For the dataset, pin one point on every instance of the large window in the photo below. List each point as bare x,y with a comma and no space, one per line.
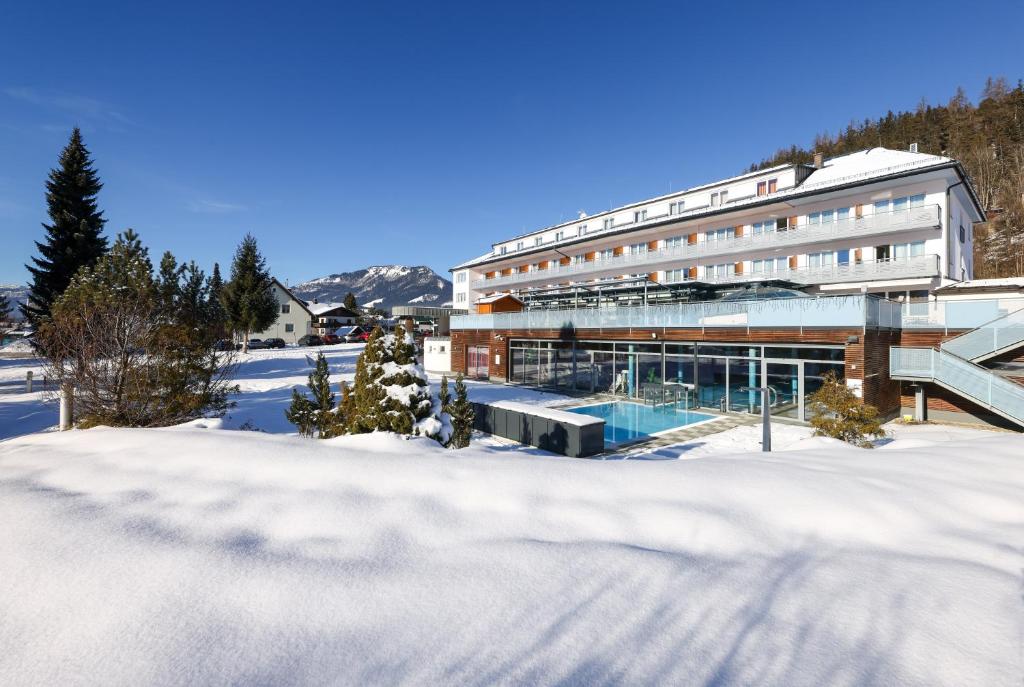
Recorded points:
609,223
676,208
640,216
720,234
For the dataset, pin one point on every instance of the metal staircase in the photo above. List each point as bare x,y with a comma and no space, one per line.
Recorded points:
991,339
973,382
954,365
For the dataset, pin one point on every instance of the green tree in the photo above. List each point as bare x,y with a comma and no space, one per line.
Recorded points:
168,286
5,313
248,299
462,415
444,395
391,393
350,302
216,317
838,413
74,233
108,339
316,415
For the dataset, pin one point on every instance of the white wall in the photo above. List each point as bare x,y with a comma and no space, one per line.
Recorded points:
297,319
437,354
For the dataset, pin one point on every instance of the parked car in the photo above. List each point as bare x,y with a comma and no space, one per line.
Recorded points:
274,343
357,337
254,345
311,340
330,339
224,345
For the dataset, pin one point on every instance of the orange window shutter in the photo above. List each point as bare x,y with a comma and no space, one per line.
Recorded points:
738,268
691,239
652,245
693,273
543,264
792,222
792,262
617,251
589,257
563,261
739,231
858,211
653,276
857,255
772,185
490,275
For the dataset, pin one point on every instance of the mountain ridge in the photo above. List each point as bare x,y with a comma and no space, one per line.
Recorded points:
383,286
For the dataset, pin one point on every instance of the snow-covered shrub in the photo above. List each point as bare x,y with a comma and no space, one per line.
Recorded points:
391,393
462,415
839,414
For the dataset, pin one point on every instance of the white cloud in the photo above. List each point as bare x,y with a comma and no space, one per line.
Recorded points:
83,106
214,207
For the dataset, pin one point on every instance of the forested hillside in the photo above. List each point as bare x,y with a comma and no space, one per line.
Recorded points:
987,137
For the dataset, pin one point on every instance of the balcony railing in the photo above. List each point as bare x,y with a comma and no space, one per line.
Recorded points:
924,217
825,311
919,266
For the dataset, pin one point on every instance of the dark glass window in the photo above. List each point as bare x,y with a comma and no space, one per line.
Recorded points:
738,351
795,353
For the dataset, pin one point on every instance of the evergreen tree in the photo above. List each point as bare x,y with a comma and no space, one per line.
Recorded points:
168,287
350,302
193,302
248,299
108,338
316,415
74,233
462,415
444,395
216,317
5,312
368,394
839,414
391,392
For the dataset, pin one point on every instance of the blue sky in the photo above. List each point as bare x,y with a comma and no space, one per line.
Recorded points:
348,136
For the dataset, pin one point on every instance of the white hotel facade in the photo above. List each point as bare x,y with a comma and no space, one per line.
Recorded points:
775,278
891,222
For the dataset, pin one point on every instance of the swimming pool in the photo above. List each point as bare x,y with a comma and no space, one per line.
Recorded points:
624,421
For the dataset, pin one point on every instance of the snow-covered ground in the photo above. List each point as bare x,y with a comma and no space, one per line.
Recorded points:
193,555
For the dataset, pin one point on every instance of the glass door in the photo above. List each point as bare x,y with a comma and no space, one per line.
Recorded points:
785,379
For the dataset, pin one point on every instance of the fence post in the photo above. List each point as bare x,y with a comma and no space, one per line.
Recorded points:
28,382
67,399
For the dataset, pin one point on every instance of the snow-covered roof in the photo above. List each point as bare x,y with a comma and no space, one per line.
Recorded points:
497,297
345,331
1001,284
321,308
851,168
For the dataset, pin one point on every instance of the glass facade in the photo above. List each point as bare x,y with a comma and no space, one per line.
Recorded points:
721,376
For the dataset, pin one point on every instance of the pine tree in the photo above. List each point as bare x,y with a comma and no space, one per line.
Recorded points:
444,395
5,312
73,235
839,414
350,302
216,317
168,287
391,393
462,415
316,415
248,299
129,365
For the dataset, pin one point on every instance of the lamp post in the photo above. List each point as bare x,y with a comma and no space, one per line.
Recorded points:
766,416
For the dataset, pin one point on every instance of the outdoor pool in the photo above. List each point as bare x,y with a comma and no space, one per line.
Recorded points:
625,421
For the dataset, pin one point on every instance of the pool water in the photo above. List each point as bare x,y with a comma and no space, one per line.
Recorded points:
624,421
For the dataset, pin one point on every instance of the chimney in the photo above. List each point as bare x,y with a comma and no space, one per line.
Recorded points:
819,161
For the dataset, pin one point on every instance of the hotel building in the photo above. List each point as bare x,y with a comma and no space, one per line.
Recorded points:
771,278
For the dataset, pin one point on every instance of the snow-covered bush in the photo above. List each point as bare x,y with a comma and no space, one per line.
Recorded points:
391,393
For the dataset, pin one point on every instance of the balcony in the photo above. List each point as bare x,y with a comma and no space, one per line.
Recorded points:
917,267
824,311
924,217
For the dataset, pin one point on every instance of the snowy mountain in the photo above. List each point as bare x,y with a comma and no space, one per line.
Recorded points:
16,295
383,286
